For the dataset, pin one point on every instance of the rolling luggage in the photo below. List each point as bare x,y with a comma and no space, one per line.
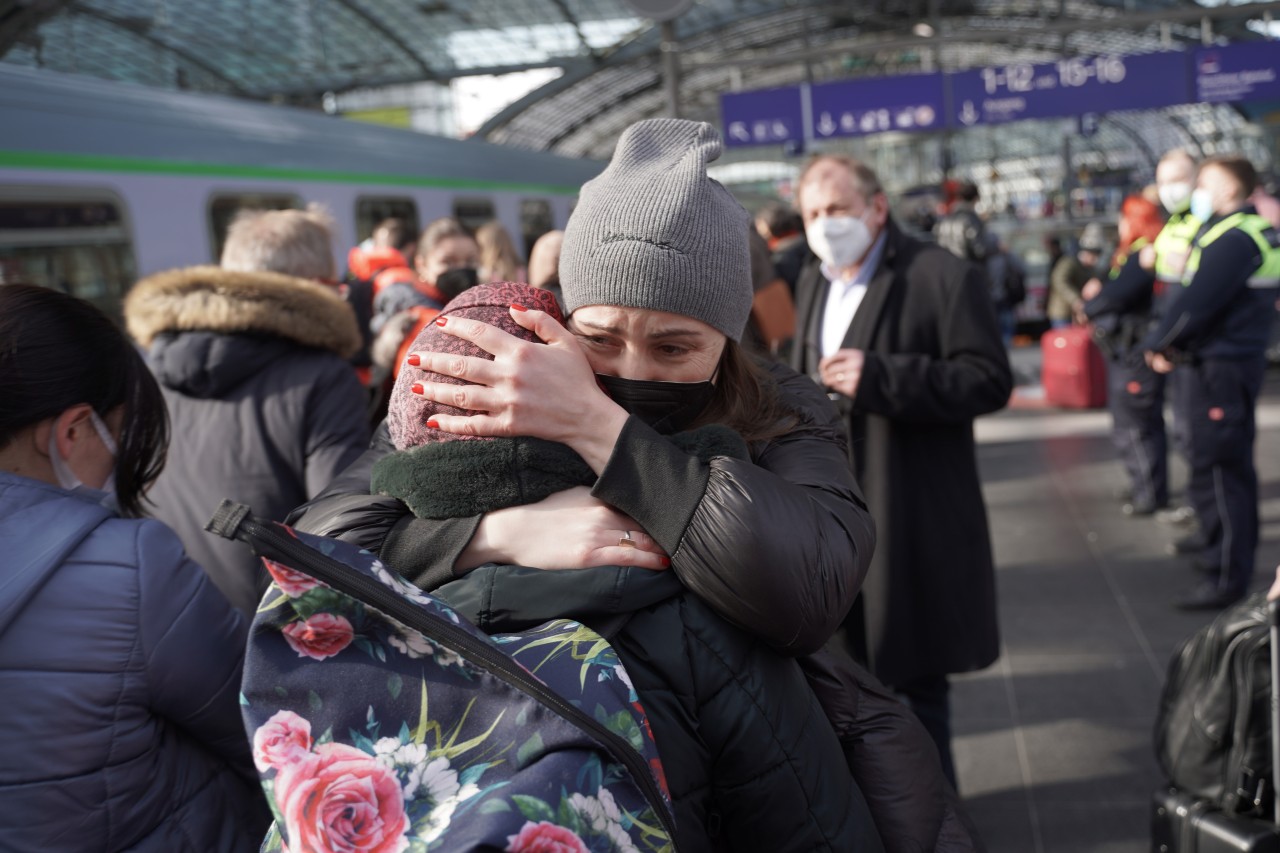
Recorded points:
1182,823
1072,370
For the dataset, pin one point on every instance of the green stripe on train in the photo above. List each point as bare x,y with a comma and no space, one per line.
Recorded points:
137,166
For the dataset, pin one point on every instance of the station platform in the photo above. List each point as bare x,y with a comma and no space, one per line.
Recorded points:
1053,743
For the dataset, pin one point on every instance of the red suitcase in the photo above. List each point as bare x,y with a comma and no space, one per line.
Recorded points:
1072,369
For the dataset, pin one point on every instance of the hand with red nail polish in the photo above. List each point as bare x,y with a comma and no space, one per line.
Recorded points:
524,389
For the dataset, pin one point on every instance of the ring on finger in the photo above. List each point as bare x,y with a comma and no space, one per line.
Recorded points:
626,541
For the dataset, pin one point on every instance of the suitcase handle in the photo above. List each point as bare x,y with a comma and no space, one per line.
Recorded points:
1273,612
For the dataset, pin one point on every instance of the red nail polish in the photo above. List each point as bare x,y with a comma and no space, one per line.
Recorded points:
666,564
518,307
414,360
440,321
433,424
416,388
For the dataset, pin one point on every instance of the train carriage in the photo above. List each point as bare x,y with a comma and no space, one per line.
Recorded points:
102,183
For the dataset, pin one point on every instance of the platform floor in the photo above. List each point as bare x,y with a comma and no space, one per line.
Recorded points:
1053,742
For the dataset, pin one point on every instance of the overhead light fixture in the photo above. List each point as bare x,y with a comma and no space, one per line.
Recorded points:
923,30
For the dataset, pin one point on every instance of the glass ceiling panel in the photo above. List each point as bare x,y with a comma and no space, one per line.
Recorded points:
295,50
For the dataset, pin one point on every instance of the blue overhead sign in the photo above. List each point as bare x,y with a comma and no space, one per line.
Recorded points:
1238,72
1071,86
911,102
765,117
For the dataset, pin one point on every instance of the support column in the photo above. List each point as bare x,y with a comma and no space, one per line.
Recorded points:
671,68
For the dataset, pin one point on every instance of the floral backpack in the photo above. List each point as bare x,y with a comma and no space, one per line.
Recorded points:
382,721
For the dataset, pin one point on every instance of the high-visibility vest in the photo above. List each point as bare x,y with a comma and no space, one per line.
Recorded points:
1267,275
1136,246
1173,246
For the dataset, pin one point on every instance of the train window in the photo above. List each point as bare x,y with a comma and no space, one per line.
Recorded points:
535,220
224,207
472,212
371,210
75,241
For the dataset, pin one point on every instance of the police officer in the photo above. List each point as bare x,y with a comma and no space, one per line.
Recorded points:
1218,326
1167,259
1120,311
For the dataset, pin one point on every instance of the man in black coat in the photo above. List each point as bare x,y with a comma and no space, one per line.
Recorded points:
903,336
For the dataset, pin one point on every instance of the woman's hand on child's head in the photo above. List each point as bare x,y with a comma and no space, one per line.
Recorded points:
568,530
543,390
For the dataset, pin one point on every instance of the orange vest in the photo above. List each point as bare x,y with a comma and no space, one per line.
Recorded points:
364,264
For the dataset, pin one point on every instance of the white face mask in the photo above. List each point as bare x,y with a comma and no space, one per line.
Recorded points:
1174,196
67,478
839,241
1202,205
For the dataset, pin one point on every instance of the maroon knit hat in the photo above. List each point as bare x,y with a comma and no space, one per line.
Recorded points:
407,413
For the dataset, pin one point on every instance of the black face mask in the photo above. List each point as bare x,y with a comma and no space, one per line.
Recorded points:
456,280
668,407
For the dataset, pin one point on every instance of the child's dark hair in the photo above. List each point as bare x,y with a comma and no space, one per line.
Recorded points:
56,352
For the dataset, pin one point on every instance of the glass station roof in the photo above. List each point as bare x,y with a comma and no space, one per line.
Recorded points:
611,61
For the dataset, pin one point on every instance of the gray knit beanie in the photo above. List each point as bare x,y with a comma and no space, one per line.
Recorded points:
653,231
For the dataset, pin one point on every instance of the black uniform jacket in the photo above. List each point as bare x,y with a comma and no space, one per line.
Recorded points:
1217,314
934,362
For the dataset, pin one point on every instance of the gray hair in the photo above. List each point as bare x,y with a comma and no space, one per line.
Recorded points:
292,242
1176,154
867,181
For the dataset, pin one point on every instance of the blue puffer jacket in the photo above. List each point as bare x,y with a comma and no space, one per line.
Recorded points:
120,671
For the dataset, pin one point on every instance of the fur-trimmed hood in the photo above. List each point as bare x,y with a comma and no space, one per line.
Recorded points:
211,299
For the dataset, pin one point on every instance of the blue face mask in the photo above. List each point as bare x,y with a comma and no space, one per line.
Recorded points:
67,479
1202,205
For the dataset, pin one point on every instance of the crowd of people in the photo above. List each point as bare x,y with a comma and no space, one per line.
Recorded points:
1185,312
729,432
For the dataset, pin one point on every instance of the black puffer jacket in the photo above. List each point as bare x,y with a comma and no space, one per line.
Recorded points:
778,545
264,407
750,759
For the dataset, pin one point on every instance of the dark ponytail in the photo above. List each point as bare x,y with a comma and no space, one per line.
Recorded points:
56,352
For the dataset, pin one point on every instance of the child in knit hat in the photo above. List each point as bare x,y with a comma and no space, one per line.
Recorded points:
408,412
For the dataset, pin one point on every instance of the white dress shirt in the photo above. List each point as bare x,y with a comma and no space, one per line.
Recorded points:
844,296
